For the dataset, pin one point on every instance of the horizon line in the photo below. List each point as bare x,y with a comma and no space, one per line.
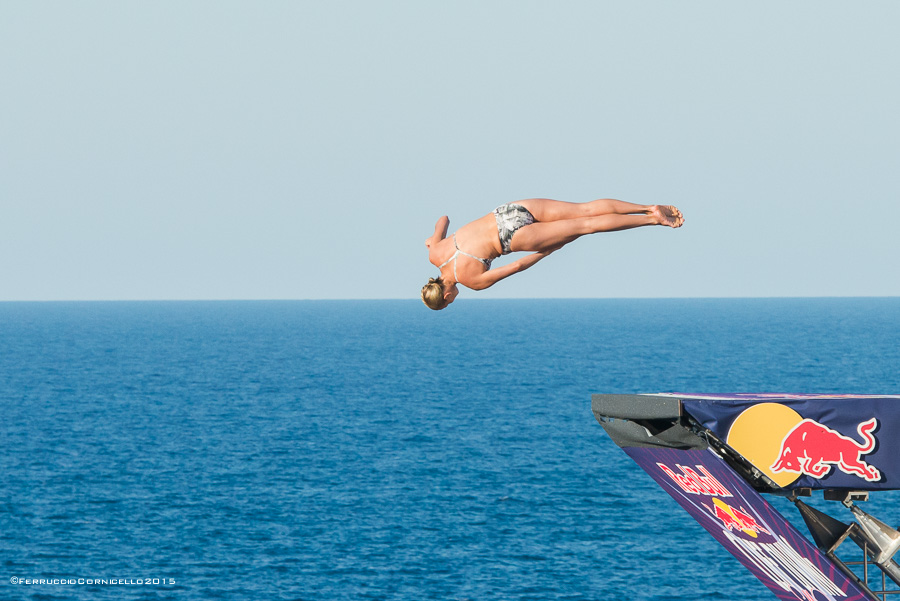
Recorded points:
511,298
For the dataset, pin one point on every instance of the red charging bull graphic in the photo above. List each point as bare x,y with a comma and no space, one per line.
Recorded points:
811,448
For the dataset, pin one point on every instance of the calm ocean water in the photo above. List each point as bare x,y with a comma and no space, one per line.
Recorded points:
378,450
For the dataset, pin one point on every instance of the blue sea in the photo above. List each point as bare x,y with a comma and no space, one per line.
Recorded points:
378,450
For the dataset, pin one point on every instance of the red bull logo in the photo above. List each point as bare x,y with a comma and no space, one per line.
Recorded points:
811,448
736,520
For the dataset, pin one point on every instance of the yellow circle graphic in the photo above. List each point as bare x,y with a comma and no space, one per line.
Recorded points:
757,434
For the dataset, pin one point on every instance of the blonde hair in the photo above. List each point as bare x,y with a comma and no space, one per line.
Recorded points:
433,294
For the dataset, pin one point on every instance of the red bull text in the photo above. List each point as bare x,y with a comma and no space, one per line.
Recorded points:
693,483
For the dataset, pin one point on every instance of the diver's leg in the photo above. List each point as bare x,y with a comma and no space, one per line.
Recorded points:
544,236
545,209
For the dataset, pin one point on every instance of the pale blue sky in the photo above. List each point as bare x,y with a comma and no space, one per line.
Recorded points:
249,150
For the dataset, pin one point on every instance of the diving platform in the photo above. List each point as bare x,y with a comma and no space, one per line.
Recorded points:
717,455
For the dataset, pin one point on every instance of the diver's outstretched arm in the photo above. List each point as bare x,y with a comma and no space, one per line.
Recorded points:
492,276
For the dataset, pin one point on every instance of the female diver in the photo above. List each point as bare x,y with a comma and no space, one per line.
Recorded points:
539,225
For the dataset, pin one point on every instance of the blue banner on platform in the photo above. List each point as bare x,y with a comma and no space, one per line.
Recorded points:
746,524
809,441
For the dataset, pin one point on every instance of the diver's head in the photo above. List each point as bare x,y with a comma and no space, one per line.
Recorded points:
436,294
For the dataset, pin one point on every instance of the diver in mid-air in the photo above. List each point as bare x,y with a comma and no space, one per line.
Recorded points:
537,225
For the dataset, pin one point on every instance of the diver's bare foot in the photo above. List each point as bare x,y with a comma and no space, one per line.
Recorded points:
667,215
